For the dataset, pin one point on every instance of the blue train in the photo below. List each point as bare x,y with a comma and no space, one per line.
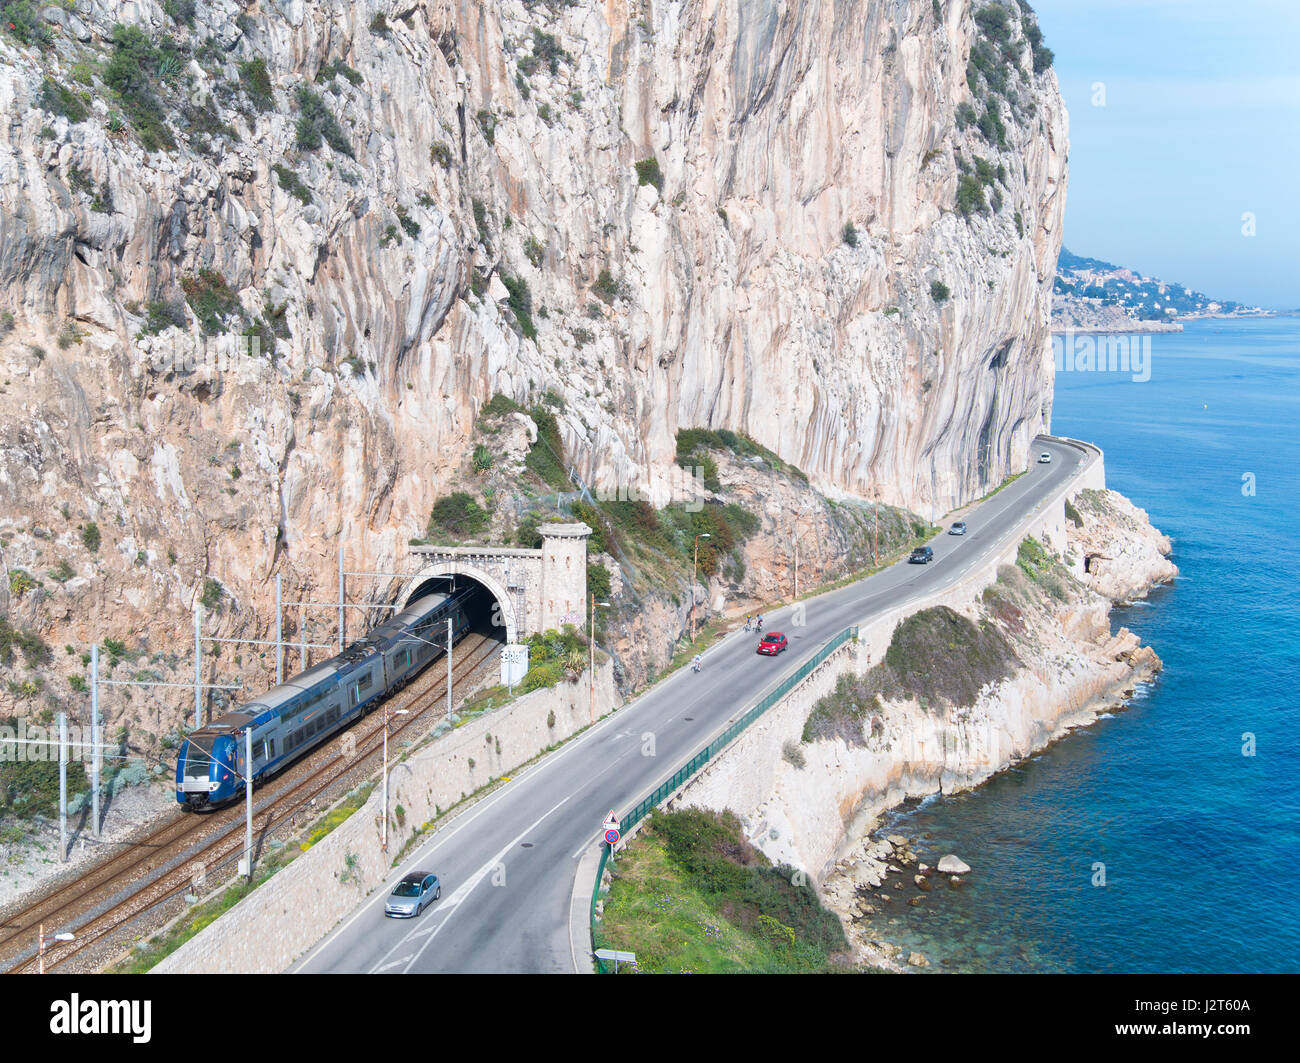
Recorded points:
290,720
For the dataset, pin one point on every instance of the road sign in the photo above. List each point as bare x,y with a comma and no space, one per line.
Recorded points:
611,820
612,835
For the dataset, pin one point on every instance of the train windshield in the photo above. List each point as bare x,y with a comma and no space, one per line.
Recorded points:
198,758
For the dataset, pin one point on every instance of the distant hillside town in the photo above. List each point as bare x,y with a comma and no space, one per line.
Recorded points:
1090,295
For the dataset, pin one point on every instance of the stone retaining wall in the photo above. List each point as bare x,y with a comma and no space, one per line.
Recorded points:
288,914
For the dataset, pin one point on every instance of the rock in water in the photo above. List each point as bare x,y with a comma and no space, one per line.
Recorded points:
952,865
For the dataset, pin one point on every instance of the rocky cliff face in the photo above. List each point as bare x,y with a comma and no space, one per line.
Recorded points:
816,224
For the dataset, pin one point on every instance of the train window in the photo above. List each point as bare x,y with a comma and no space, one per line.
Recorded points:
408,658
356,693
364,682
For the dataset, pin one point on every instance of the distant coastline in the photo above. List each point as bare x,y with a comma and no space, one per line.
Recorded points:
1118,321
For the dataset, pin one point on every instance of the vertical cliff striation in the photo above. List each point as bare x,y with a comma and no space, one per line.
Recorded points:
831,227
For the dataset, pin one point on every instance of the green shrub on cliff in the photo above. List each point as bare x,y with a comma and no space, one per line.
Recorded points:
692,894
317,124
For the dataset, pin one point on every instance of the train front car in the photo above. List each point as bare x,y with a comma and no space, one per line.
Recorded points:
205,769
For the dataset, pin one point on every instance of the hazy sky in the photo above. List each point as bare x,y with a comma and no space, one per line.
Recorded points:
1200,125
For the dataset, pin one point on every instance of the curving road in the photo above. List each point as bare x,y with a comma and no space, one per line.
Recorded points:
508,864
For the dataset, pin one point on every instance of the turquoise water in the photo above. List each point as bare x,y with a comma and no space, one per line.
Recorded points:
1200,843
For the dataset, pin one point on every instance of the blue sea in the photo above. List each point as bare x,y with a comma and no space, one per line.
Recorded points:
1200,843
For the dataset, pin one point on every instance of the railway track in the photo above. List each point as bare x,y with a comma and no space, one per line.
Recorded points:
159,867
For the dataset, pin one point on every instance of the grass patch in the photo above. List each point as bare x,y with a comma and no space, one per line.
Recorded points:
691,894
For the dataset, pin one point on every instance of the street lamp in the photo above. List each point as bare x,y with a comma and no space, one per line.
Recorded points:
694,577
40,949
591,643
384,828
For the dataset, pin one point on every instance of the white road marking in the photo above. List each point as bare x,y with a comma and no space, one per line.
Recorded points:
468,887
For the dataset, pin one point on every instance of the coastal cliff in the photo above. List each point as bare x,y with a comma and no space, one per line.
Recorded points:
960,694
261,268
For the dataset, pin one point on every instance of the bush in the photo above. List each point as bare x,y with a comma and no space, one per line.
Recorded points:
21,581
440,155
180,11
938,655
520,302
316,124
213,593
458,514
162,314
598,582
290,182
547,50
608,288
256,82
59,99
212,300
546,457
841,713
62,572
482,458
22,20
648,173
131,72
970,195
939,292
90,537
850,234
33,647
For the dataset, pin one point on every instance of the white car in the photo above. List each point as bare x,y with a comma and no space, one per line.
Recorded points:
1044,458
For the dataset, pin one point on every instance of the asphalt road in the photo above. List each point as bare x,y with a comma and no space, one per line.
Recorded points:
507,865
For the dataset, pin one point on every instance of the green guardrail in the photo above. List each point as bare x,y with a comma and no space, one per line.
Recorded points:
697,762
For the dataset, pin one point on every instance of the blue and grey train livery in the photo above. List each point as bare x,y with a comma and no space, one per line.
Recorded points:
290,720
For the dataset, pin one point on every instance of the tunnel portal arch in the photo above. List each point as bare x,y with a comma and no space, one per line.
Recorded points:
437,574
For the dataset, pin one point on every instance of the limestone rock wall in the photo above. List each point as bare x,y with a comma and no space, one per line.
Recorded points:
481,183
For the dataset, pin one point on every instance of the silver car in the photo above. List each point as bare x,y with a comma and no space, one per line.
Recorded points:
1044,458
413,894
958,528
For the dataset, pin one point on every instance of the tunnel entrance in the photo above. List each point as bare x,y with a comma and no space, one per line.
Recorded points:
486,615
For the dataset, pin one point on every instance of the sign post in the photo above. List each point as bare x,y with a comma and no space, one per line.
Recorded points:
610,832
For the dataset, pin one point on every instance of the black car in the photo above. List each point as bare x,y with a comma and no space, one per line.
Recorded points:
922,555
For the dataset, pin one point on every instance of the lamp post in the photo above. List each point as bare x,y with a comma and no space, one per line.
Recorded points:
40,948
695,576
591,643
384,828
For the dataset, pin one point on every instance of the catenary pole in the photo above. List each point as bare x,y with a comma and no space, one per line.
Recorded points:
279,634
198,666
94,738
248,799
63,787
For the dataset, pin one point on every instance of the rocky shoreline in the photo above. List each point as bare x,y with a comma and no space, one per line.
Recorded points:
1127,557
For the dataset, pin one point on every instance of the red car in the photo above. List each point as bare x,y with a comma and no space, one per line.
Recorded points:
773,643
